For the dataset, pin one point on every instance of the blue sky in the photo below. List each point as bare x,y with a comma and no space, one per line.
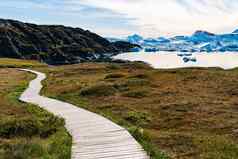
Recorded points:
151,18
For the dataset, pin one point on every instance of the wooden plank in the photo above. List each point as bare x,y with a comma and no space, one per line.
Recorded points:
94,137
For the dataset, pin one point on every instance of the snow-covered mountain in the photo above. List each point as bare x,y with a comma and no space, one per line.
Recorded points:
200,41
135,39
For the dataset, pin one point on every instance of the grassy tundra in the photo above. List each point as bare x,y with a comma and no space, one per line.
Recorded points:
27,131
184,113
179,114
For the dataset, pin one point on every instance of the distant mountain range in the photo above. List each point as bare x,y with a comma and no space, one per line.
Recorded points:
55,44
200,41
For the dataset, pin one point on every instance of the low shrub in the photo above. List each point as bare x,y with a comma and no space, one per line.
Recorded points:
135,94
114,75
28,127
22,150
18,127
101,89
121,87
113,66
138,118
137,82
41,123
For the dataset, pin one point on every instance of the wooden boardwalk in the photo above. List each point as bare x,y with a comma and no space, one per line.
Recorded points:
94,137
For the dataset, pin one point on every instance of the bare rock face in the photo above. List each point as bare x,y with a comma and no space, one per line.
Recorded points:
55,44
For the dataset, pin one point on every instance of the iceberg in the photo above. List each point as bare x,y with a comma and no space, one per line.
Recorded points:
199,41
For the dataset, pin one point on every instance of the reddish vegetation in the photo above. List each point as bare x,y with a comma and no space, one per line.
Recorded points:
188,113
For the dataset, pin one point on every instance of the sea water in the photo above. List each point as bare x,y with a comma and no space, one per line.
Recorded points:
170,60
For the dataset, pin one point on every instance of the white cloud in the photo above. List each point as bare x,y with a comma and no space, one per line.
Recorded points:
122,17
170,17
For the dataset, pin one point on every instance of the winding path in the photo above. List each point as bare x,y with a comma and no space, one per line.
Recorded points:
94,137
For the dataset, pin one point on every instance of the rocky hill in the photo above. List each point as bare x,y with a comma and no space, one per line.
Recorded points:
54,44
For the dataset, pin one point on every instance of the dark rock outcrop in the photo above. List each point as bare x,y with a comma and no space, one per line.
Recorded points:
54,44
